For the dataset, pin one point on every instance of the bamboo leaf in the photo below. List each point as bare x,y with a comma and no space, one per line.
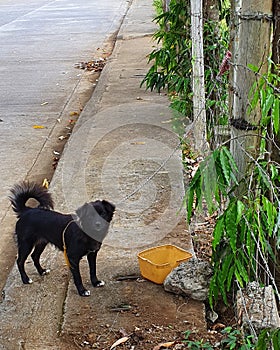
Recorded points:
264,177
262,340
270,214
276,114
225,167
262,97
242,271
276,339
194,188
225,267
231,159
267,105
229,278
230,225
254,97
250,243
198,192
221,288
213,291
253,68
240,208
218,232
209,183
232,165
273,171
238,277
190,198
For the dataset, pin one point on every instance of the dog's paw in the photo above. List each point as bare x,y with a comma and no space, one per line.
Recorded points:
99,284
46,272
27,280
86,293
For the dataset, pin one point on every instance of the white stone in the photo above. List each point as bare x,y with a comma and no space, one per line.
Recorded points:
191,279
256,306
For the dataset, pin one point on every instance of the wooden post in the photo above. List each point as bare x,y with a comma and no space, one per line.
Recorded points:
251,35
275,156
166,4
199,113
276,68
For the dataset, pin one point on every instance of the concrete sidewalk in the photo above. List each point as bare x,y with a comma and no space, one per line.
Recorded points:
122,149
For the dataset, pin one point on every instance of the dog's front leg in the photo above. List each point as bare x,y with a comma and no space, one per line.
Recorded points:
75,269
92,267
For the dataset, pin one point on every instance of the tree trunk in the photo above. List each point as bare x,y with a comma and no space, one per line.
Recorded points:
251,34
199,113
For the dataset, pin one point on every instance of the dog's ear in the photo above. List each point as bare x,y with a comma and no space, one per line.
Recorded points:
110,207
83,211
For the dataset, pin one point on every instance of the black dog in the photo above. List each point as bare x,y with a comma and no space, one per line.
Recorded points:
39,226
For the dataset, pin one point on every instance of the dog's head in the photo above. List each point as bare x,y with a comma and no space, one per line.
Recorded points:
104,209
94,218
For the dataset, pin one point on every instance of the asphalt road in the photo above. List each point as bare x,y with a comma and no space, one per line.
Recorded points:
40,43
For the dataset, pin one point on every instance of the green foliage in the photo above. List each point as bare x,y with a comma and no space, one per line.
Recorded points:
243,227
158,5
172,61
212,182
269,337
264,95
248,223
196,345
232,339
233,250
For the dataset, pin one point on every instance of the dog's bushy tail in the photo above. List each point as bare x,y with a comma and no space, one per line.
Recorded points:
23,191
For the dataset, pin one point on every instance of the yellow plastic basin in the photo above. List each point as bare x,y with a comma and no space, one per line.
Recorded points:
156,263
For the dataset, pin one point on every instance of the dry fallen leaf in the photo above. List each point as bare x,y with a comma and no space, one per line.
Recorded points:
45,183
38,127
164,345
118,342
95,65
123,332
218,326
73,113
138,143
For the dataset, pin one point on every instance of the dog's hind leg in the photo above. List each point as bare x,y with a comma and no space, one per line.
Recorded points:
38,250
24,249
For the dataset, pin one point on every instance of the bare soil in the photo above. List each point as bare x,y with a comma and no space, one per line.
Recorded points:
140,314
